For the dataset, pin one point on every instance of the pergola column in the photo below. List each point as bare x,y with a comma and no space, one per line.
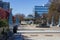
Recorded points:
58,22
52,22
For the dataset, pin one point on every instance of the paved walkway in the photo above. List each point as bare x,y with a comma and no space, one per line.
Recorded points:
42,36
32,33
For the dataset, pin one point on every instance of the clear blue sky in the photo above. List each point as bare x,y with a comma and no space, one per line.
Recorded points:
25,6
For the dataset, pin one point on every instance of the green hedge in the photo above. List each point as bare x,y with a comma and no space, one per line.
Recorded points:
3,23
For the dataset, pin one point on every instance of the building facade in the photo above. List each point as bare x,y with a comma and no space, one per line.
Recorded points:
41,9
5,5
